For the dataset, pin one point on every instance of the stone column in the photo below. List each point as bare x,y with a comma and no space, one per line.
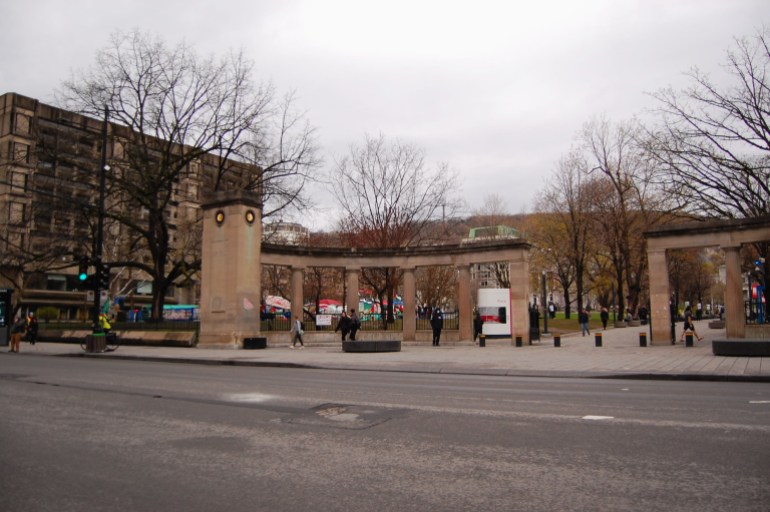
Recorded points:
518,270
735,316
660,297
230,269
351,283
410,323
465,302
297,297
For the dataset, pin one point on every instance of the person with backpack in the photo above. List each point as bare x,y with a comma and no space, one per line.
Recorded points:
18,329
298,332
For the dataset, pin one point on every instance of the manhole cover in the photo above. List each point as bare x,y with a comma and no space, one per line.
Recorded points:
341,416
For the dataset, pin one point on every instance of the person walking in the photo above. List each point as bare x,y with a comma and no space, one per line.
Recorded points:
583,319
605,316
298,332
688,324
343,324
437,323
355,324
17,332
32,328
478,325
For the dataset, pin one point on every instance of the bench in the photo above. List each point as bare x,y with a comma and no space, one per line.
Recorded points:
741,348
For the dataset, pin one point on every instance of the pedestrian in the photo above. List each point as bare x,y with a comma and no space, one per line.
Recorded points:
17,332
104,323
583,319
355,324
343,324
643,312
478,325
605,316
552,309
437,323
32,328
688,324
298,332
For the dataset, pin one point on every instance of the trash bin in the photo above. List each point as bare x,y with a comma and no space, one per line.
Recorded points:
96,342
482,340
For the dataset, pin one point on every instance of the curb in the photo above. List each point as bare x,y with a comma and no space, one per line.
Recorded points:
487,372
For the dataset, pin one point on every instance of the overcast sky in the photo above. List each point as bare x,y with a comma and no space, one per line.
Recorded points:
496,89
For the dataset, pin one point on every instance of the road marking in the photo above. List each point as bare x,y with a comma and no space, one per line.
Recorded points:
759,401
598,418
249,397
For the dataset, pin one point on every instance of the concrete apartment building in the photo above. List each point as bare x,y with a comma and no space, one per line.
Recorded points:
49,168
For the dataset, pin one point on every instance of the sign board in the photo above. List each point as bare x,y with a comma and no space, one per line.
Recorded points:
103,296
321,320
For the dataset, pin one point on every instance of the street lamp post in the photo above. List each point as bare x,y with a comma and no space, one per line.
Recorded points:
99,237
545,308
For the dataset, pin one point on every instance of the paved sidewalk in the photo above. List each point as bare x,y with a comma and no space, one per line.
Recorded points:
620,356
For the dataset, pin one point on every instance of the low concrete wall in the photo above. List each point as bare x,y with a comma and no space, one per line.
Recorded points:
157,338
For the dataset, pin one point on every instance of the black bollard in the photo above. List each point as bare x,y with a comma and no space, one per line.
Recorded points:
598,339
518,341
482,340
556,340
642,339
688,339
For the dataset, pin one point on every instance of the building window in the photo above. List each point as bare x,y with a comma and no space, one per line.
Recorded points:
16,213
22,123
20,152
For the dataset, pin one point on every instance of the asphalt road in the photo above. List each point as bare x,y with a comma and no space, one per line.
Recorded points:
93,434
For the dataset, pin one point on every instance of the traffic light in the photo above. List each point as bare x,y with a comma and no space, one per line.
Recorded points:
104,278
83,268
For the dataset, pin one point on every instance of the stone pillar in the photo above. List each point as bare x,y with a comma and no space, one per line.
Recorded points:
465,302
410,323
660,297
351,283
297,297
518,271
735,316
230,269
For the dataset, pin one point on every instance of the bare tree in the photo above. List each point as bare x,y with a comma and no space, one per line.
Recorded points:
714,142
627,201
191,125
563,229
389,197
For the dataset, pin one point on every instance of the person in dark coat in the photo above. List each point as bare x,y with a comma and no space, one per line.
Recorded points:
478,325
583,320
355,324
437,323
32,328
343,324
605,316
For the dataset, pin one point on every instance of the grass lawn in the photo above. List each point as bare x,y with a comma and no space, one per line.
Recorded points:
561,325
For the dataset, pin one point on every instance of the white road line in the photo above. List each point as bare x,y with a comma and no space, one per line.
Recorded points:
598,418
759,401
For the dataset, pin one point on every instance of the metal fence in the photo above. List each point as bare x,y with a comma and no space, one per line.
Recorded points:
278,323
